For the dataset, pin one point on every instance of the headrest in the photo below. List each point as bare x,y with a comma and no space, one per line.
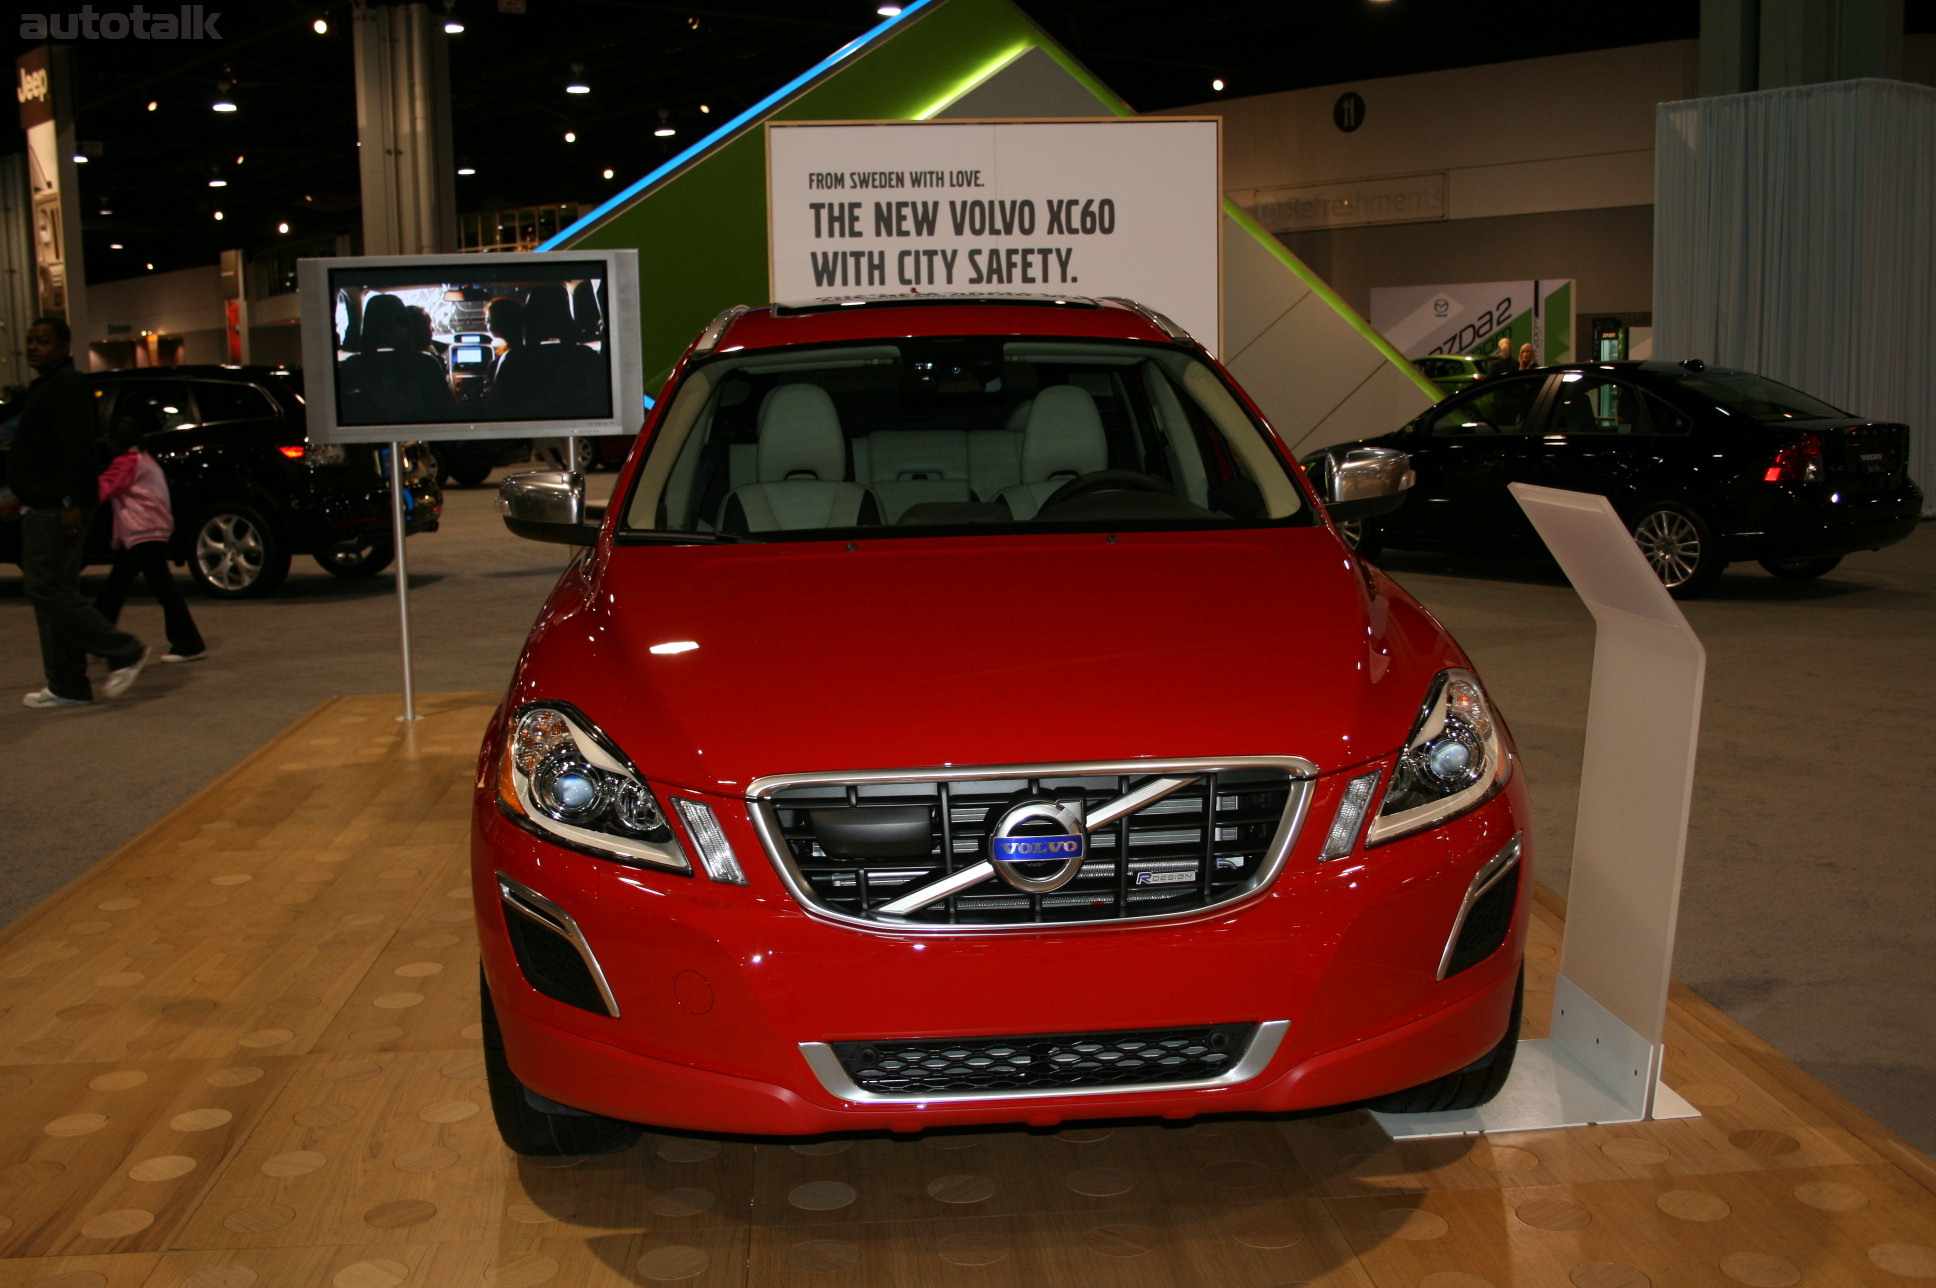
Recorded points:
800,434
385,319
547,314
1064,435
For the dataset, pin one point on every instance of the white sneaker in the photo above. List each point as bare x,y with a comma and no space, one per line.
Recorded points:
49,698
185,657
121,680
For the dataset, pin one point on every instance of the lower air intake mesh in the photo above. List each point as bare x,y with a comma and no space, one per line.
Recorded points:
551,963
1044,1062
1485,925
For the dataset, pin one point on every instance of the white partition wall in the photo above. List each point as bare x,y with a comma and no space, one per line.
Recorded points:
1795,236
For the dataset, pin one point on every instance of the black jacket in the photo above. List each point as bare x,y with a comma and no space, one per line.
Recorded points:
55,457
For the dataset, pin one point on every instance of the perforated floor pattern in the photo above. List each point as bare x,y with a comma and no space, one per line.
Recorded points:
243,1051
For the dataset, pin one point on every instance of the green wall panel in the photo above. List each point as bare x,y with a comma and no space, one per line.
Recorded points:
701,232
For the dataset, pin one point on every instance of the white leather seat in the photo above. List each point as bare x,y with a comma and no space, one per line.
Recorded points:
802,470
1063,440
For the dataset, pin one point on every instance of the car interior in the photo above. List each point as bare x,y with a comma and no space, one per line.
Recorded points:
951,432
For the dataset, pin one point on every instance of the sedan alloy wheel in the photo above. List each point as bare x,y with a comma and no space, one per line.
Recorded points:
1680,549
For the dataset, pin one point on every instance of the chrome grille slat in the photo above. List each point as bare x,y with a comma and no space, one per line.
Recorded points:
1177,865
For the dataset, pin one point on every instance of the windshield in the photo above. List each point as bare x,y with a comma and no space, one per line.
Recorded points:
912,436
1760,398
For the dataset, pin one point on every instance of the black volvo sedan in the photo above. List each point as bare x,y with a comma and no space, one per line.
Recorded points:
1706,466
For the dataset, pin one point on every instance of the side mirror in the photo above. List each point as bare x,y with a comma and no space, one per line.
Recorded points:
546,505
1366,481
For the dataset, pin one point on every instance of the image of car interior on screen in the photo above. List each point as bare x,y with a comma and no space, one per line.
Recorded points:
518,343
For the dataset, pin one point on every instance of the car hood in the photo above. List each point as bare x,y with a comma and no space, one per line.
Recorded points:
896,654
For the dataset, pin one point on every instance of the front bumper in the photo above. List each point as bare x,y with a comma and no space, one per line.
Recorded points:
723,992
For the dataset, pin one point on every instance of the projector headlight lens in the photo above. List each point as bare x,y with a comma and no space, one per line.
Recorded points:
562,778
1453,761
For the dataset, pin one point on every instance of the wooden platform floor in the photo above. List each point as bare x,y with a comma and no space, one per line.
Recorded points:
243,1050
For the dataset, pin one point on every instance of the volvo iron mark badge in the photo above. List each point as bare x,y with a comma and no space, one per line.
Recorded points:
1037,833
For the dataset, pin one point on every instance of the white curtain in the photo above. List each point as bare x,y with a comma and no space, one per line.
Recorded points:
1794,236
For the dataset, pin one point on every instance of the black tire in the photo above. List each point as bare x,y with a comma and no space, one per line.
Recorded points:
1466,1088
530,1130
1800,569
1680,547
235,553
1365,538
470,475
364,557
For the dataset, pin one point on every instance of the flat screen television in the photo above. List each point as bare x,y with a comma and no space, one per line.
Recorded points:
471,346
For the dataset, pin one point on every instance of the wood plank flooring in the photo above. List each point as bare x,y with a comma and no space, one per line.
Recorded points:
243,1050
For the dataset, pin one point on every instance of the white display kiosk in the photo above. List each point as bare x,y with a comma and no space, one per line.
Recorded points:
1602,1063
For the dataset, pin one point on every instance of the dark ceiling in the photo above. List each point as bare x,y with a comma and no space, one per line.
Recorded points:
288,154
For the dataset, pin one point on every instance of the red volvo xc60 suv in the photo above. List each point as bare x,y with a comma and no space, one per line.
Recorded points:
965,712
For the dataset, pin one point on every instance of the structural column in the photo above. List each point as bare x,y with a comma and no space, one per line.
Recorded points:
403,131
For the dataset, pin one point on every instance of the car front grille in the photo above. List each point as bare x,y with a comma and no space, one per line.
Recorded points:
1034,1063
1220,836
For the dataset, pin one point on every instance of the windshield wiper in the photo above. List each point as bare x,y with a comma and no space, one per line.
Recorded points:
661,537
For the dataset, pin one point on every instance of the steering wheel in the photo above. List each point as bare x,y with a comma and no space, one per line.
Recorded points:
1105,481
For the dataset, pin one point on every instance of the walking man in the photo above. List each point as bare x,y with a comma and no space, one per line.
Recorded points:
52,471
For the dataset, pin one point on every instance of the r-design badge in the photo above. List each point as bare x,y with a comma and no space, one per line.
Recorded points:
1037,833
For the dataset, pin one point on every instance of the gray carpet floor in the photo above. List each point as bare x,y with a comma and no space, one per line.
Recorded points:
1806,911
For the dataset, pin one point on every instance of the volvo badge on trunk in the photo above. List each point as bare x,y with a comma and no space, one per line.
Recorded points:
1034,835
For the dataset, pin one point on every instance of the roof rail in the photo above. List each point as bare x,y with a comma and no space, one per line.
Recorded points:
709,338
1149,314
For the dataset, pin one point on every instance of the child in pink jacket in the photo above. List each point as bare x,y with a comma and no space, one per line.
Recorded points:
143,522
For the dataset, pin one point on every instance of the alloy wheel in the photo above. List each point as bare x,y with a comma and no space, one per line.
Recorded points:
1672,545
229,551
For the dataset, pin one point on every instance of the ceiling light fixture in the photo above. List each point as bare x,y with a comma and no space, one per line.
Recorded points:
571,136
665,130
218,216
577,85
282,228
80,159
218,183
1217,84
704,110
609,172
453,25
320,26
116,246
223,103
465,169
888,10
153,105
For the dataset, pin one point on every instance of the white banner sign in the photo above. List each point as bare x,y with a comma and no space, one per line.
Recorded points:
1469,317
1117,207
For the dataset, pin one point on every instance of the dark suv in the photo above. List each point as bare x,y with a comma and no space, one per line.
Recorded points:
249,489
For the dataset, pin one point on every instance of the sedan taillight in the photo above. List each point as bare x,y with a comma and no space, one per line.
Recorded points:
1799,462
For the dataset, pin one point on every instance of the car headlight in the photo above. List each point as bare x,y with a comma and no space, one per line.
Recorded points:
1453,760
560,777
